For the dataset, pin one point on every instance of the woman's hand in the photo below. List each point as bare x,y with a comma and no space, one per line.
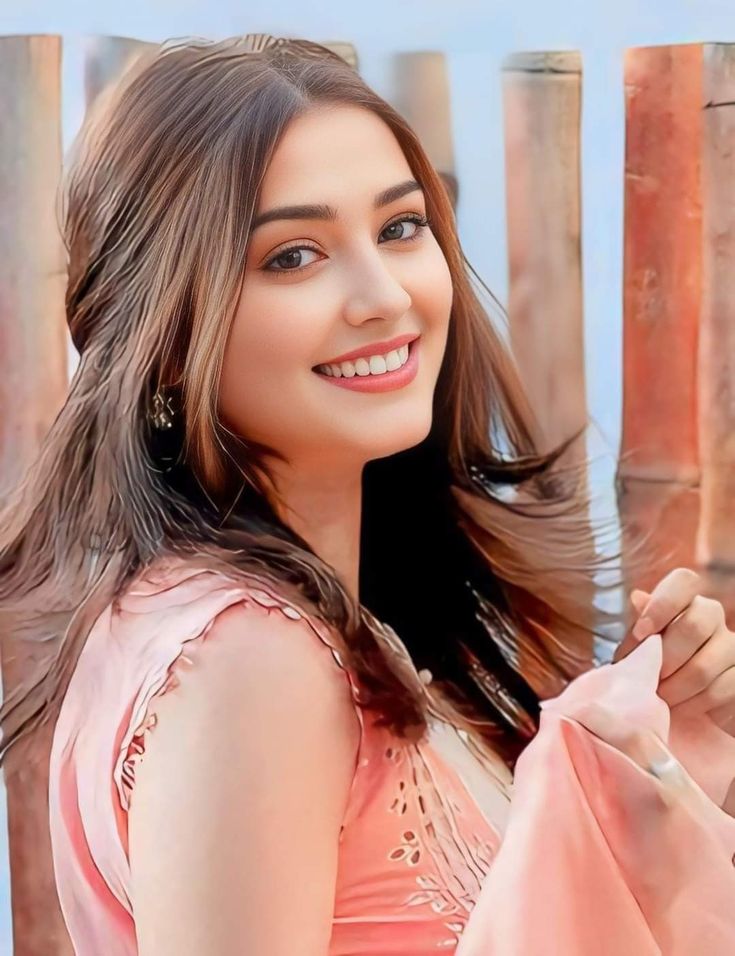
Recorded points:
647,750
698,669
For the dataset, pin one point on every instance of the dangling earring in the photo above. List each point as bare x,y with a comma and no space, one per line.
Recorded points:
161,414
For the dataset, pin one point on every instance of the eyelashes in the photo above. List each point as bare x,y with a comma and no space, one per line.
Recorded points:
421,222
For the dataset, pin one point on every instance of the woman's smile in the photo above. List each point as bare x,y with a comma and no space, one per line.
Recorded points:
375,372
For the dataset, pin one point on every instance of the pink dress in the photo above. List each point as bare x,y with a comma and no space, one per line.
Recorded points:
414,846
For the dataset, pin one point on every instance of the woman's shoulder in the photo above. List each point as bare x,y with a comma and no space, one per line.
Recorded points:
259,667
212,690
222,633
258,690
243,787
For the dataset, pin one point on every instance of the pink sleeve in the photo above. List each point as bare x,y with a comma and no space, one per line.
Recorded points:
130,657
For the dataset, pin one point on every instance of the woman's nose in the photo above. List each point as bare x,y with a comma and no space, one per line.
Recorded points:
374,291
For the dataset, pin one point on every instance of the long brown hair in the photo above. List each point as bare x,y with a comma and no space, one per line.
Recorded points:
490,582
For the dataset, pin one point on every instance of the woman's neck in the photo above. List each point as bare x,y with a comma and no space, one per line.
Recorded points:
324,507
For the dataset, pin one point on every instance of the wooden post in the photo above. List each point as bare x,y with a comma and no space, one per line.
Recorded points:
33,384
716,536
542,94
542,102
658,474
422,96
542,105
106,59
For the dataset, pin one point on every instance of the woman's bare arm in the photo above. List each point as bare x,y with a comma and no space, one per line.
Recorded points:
239,798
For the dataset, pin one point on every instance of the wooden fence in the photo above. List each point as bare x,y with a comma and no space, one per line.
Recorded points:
677,456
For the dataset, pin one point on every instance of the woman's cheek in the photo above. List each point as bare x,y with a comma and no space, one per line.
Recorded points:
436,286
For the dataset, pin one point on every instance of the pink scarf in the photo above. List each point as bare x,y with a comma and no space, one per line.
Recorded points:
602,857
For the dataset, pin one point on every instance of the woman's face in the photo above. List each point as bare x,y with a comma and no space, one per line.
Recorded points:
355,274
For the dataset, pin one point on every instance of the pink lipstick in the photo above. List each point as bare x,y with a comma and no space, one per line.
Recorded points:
386,381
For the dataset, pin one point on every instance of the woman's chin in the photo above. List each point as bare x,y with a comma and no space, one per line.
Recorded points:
344,443
391,441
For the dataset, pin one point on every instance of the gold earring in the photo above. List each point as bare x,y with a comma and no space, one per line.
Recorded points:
161,414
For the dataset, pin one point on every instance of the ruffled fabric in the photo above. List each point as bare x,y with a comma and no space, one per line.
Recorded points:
601,856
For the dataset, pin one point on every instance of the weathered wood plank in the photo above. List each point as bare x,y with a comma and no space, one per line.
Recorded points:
542,103
716,536
33,384
421,94
658,472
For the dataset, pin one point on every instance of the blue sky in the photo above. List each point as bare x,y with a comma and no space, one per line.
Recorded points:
475,36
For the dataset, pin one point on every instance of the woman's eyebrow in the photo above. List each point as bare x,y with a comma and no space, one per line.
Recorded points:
321,211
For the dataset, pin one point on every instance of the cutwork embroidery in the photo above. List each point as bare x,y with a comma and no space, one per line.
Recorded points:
461,860
408,850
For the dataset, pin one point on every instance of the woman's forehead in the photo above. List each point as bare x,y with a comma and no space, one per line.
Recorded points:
340,150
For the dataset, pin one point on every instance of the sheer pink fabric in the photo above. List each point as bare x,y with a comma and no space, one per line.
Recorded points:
414,846
599,855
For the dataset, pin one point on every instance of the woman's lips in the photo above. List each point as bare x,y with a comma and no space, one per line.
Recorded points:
386,382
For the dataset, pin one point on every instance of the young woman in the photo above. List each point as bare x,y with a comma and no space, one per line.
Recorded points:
291,521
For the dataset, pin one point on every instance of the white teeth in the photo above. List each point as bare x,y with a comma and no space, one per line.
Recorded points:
393,360
377,365
370,365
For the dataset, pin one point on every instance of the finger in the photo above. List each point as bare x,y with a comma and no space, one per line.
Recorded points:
640,744
689,632
670,597
639,599
628,644
698,673
720,693
646,749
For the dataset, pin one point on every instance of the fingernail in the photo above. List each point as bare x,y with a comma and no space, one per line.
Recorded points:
643,628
